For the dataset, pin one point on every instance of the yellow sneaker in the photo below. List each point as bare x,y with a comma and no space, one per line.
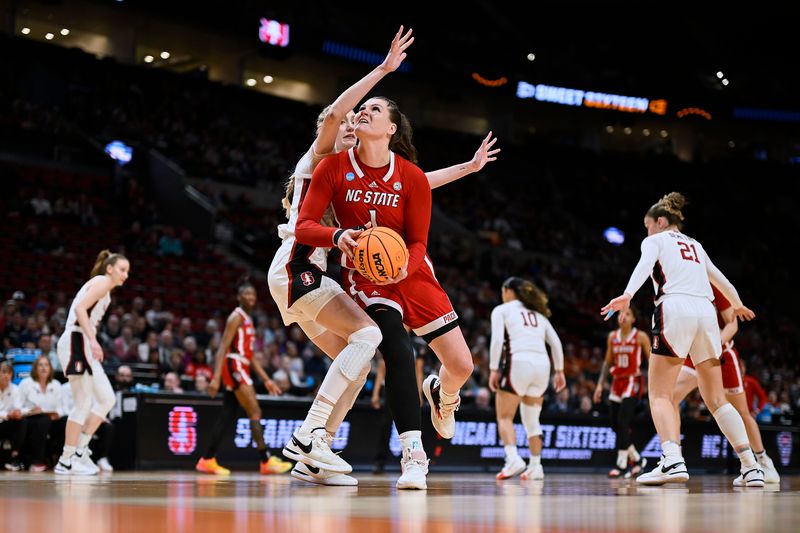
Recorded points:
210,466
275,465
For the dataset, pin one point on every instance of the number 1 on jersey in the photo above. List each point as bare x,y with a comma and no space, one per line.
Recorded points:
373,218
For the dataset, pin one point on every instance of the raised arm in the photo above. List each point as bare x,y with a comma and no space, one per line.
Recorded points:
483,155
233,323
350,98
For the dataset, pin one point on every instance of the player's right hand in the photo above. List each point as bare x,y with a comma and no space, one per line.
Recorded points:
494,380
348,241
397,50
97,351
598,393
213,387
743,313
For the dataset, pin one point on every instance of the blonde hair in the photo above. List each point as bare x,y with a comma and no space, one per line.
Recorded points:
531,296
104,259
670,206
286,203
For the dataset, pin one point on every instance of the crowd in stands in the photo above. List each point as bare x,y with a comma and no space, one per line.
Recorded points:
539,212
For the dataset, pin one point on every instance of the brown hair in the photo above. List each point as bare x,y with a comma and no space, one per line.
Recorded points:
5,366
402,142
529,294
286,203
35,369
104,259
670,207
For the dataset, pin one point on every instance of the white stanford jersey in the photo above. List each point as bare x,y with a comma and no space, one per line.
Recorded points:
96,312
678,264
524,333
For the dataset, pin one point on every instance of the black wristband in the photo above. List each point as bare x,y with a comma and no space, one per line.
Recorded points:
336,237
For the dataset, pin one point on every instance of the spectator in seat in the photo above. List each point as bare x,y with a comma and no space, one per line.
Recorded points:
12,423
41,404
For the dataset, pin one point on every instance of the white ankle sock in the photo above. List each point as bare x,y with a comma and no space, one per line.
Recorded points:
622,459
317,416
83,440
671,449
634,454
511,451
66,454
535,460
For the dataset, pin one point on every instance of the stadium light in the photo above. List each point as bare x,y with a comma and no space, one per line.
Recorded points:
614,236
268,79
64,32
119,152
531,57
49,36
720,75
725,82
164,55
646,132
149,59
251,82
25,31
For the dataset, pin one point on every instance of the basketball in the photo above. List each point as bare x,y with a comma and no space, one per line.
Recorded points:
380,254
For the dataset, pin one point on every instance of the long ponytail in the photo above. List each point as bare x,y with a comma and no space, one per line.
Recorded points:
104,259
531,296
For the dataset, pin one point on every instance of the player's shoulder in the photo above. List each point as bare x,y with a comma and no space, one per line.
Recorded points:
407,168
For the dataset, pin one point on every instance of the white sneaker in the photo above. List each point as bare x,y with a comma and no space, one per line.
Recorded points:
312,474
313,450
668,470
76,467
415,468
750,477
442,415
104,465
513,467
770,472
534,472
86,459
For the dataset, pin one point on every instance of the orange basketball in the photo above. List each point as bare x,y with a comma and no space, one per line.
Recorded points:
380,254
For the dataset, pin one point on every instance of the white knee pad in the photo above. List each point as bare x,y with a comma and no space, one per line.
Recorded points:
104,397
81,398
530,419
361,346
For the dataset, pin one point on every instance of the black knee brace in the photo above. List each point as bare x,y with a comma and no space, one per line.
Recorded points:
401,380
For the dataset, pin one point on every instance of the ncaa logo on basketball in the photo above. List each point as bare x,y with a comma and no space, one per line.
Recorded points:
378,263
397,186
307,278
349,176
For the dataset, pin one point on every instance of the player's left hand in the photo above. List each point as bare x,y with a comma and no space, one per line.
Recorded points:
348,241
620,304
273,388
484,154
559,381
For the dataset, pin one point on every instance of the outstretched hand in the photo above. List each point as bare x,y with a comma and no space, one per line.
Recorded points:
484,153
619,304
397,51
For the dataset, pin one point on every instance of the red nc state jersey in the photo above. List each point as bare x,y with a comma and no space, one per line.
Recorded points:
396,196
627,354
245,336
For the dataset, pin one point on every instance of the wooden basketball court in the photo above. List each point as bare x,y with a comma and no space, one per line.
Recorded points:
459,503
